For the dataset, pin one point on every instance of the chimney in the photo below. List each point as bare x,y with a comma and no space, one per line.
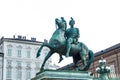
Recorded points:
19,37
45,41
24,37
33,39
14,36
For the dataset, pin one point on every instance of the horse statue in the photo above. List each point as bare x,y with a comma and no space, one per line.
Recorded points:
57,44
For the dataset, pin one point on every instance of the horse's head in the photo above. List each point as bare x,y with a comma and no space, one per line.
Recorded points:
60,24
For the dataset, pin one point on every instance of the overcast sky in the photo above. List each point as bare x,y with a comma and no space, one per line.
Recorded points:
98,20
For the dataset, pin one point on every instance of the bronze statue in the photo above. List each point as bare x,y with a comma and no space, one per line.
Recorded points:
72,35
58,44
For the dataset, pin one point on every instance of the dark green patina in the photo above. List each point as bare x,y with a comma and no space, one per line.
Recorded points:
65,42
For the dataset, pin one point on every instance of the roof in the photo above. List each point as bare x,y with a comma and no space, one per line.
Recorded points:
107,50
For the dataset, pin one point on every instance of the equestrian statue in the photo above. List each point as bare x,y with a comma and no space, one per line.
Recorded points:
65,42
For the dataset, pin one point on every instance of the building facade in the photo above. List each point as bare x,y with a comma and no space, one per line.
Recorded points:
112,57
20,62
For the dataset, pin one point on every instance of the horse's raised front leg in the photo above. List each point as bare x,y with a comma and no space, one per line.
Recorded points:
44,44
38,53
46,58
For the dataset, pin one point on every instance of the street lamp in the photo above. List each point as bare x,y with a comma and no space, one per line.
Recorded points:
103,70
1,65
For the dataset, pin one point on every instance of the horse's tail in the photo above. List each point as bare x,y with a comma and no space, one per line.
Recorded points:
90,60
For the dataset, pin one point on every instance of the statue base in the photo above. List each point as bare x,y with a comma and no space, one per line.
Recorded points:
62,75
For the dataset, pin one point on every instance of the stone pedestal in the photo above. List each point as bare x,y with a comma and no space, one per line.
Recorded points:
62,75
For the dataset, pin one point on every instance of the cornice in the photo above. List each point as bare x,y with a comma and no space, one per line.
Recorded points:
20,41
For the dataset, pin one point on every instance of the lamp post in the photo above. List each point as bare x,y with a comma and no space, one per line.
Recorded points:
103,70
1,64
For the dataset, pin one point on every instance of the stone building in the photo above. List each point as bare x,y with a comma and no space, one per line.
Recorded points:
20,62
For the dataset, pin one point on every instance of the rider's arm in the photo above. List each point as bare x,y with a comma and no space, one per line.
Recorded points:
78,34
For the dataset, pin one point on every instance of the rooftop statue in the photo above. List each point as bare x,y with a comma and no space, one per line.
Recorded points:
65,42
103,70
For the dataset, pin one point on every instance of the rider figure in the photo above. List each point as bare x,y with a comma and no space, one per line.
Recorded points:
72,35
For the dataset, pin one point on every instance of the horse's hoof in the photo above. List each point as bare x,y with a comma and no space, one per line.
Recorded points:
82,68
77,69
37,55
67,56
60,60
41,70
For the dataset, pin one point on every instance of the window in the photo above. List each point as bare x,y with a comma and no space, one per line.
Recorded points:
37,65
19,74
28,74
19,63
112,69
28,64
28,54
9,52
19,53
8,73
